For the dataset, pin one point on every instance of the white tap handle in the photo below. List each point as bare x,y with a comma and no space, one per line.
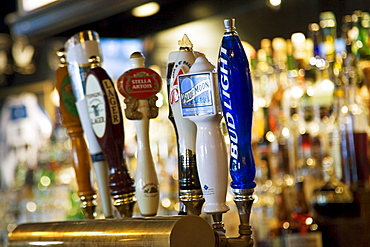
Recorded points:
139,92
212,164
79,48
147,187
186,129
200,103
100,166
83,111
102,175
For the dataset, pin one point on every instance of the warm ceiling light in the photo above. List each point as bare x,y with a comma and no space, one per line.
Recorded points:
275,2
29,5
145,10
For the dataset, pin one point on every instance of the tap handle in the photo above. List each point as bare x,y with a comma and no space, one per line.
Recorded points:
236,95
80,154
139,86
78,49
212,165
107,123
200,103
190,193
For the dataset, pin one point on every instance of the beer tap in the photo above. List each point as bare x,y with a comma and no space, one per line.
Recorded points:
139,86
201,104
81,160
236,95
107,123
78,49
190,192
169,68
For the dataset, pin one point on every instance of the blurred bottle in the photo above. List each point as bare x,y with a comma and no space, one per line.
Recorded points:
302,230
361,27
346,123
361,141
333,198
284,187
266,145
328,26
266,74
280,228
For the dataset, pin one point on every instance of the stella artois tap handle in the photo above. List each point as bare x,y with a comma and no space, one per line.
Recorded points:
81,160
139,86
107,123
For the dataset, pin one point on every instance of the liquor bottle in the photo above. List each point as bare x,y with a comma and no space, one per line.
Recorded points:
360,138
356,33
361,44
139,86
322,99
346,123
80,154
333,198
294,86
269,179
280,228
267,79
292,108
267,147
279,46
361,116
107,123
285,166
364,51
302,228
334,135
328,26
299,50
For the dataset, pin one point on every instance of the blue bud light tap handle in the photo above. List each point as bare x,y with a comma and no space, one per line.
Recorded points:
236,95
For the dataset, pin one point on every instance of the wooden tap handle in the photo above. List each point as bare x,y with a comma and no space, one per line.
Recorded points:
107,122
81,160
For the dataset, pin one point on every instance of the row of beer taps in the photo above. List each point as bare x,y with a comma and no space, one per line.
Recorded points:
200,96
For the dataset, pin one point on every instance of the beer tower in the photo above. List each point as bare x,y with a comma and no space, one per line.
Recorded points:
199,95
